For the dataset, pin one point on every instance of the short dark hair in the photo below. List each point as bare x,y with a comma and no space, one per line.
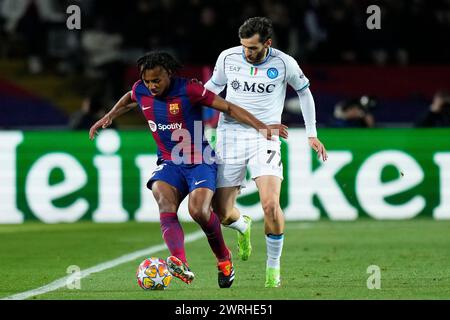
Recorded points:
256,25
157,58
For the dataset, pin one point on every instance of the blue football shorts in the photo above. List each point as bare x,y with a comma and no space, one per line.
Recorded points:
185,178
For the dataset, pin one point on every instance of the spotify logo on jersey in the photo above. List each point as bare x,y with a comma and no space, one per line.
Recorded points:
152,125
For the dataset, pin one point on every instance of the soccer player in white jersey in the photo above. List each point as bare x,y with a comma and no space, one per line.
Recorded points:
257,76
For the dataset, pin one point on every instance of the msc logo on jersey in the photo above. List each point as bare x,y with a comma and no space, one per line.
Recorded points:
252,87
272,73
235,84
258,87
174,108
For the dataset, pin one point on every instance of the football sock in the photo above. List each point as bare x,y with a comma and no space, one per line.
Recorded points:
239,225
213,232
173,234
274,244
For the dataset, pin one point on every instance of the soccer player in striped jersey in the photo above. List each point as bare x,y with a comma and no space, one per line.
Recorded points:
172,107
256,76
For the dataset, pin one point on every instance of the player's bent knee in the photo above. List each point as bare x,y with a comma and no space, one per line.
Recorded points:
271,208
199,214
167,207
165,204
167,200
199,202
199,208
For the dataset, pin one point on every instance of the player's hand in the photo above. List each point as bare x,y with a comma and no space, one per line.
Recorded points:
103,123
278,129
318,147
195,80
274,130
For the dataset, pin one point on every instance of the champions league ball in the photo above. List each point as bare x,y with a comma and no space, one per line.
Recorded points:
152,274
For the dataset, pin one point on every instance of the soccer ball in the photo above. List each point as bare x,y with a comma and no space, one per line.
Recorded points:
152,274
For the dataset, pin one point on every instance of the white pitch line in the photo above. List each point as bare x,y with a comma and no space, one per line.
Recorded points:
62,282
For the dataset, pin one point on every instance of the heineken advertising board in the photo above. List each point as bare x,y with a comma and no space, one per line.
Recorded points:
380,173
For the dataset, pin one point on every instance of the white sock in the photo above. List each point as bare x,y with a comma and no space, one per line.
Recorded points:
274,244
239,225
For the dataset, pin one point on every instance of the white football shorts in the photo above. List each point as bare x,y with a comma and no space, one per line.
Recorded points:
237,149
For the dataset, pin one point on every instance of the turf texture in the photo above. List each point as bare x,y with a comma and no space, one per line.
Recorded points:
321,260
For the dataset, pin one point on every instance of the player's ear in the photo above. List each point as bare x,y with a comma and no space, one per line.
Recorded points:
268,43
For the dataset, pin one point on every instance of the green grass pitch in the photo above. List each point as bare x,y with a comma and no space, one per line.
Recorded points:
321,260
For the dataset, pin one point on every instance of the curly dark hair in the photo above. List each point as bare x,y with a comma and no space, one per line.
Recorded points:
256,25
157,58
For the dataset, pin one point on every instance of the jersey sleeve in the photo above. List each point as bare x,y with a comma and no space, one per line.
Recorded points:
219,78
308,111
198,94
133,90
295,76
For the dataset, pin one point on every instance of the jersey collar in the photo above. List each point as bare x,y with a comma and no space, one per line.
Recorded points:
257,64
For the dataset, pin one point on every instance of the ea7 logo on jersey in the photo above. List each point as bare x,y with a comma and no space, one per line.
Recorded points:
233,68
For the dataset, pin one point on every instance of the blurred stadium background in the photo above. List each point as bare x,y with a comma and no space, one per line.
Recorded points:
383,112
49,72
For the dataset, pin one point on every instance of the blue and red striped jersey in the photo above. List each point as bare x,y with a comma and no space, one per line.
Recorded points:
175,120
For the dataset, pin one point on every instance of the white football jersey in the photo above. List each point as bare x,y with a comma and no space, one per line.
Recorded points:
258,88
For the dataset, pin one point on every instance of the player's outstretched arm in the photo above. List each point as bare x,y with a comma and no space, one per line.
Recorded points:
122,106
246,117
